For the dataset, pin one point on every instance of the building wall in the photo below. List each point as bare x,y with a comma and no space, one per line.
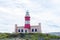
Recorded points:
37,27
22,28
33,29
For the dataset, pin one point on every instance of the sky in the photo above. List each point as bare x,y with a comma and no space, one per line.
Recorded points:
45,12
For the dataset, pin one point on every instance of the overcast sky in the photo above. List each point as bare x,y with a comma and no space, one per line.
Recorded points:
46,12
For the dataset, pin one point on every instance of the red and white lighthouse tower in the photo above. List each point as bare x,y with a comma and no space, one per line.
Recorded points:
27,20
27,28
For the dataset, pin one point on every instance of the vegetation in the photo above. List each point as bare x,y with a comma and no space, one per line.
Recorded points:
32,36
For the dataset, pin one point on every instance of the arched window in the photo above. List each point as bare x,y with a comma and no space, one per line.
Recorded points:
21,30
18,30
25,30
32,30
35,30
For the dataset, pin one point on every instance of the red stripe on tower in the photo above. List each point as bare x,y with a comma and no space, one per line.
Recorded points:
27,20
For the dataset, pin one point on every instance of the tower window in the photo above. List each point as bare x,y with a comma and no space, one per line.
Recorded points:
35,30
25,30
21,30
32,30
18,30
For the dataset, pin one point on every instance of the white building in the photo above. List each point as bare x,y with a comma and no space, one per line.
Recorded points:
28,28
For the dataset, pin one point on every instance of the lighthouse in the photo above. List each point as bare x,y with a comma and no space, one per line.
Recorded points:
27,20
27,28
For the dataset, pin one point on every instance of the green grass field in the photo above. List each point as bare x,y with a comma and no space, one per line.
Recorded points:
10,39
31,36
24,39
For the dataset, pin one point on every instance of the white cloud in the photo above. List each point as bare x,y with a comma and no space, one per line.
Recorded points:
55,1
13,11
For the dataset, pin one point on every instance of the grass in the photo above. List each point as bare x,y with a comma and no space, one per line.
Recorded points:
12,39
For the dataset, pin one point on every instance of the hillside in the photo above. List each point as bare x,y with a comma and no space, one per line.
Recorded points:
55,33
32,36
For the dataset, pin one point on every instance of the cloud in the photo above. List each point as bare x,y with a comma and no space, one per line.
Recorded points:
55,1
44,11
